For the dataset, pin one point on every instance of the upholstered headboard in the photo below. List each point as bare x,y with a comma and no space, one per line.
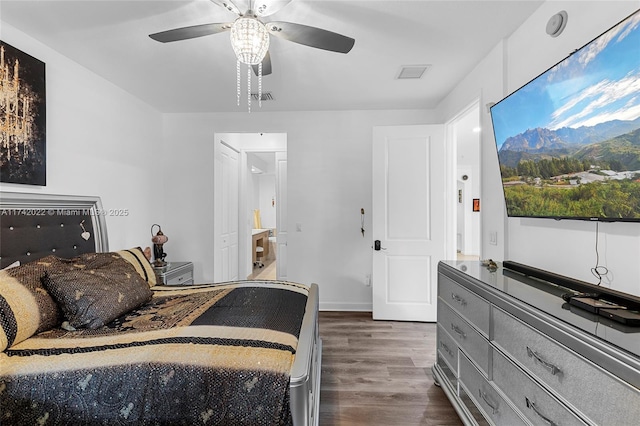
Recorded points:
36,225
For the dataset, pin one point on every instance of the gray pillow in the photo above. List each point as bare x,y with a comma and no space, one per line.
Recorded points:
98,288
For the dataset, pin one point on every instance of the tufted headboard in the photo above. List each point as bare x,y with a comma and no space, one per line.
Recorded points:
36,225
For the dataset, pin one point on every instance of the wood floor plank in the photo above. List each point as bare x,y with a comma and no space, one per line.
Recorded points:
378,373
372,361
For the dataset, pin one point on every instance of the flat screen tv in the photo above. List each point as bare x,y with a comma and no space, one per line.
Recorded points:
569,140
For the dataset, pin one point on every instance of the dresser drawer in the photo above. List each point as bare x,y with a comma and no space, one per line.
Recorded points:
175,273
466,336
468,304
185,278
533,401
485,396
182,279
448,349
450,376
592,391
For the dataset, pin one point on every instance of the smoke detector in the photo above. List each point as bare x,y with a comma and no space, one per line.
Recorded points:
556,23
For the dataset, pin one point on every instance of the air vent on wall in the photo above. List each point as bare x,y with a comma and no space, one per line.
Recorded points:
266,96
412,72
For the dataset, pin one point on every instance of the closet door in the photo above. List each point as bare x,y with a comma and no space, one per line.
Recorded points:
226,221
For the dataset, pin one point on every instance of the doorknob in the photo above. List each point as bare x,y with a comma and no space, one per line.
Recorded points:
377,246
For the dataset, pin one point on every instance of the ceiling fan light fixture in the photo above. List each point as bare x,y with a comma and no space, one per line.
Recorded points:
250,40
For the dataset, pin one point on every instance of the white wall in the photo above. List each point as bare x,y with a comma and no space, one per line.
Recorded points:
565,247
329,180
101,141
264,187
267,190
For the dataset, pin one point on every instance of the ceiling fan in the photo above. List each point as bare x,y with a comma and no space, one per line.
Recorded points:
250,35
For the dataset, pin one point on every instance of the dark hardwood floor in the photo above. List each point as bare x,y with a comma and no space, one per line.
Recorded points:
379,373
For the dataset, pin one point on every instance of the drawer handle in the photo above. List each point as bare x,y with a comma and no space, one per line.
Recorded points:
446,349
459,299
485,398
458,331
552,368
532,405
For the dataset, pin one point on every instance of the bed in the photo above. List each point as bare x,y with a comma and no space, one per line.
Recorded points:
88,338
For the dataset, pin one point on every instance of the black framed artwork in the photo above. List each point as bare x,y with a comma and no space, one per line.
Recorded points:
23,118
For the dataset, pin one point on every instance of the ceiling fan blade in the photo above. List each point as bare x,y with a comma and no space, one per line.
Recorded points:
268,7
228,4
190,32
266,65
311,36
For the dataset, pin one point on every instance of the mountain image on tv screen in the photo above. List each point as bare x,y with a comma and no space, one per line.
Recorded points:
569,141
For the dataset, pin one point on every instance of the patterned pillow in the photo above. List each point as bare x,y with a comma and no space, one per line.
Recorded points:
136,257
26,308
98,289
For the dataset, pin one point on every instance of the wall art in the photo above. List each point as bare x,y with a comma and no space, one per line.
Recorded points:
23,121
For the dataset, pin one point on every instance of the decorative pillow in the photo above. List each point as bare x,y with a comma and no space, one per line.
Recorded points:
98,289
26,308
141,263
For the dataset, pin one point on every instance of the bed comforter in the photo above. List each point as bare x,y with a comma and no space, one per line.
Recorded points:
209,355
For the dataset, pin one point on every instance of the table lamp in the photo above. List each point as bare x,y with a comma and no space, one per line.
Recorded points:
158,241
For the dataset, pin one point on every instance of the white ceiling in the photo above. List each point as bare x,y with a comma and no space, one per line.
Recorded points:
199,75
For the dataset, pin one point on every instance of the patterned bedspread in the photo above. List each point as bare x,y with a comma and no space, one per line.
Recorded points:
198,355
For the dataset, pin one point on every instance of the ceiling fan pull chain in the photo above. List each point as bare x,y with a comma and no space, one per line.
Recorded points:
249,88
260,85
238,81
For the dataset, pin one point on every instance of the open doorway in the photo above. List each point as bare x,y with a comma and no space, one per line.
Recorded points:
234,206
466,133
262,200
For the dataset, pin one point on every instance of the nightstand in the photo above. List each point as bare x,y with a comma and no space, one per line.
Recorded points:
175,273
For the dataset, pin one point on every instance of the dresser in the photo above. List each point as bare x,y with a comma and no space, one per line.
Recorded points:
174,273
511,351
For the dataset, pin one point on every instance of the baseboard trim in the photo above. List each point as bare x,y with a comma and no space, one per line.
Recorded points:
354,307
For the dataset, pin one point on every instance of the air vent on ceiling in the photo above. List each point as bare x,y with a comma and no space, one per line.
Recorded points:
412,72
266,96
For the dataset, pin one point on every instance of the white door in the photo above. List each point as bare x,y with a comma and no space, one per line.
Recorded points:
408,219
281,216
226,174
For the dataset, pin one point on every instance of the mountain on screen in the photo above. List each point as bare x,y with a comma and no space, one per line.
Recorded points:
616,139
